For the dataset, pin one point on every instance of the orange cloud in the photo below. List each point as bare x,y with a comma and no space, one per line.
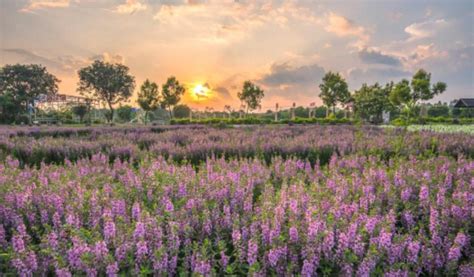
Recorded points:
45,4
130,6
344,27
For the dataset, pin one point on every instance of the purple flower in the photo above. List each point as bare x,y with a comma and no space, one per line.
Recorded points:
100,250
18,244
308,269
385,239
109,230
413,249
293,232
139,232
136,211
424,194
142,250
252,252
112,269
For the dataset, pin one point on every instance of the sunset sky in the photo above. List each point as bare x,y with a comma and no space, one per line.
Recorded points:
284,46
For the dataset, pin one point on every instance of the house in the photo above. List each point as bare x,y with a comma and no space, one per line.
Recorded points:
465,103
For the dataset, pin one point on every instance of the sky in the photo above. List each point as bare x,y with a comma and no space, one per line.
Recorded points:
283,46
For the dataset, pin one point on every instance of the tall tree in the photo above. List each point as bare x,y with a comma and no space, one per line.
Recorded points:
148,97
251,95
172,91
110,83
407,95
334,90
23,84
371,101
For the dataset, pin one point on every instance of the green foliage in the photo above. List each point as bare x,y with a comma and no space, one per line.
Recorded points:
181,111
371,101
334,90
8,108
80,111
463,112
172,91
406,95
148,97
438,110
110,83
301,112
21,84
320,112
251,95
400,93
125,113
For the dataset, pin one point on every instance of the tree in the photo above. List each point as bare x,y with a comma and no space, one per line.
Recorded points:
334,90
438,110
80,110
148,97
407,95
251,95
8,109
125,113
301,112
320,112
110,83
23,84
172,91
181,111
371,101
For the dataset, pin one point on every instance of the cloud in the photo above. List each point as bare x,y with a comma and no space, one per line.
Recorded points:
423,55
130,7
225,21
283,75
358,76
223,92
109,57
425,29
344,27
64,64
376,57
45,4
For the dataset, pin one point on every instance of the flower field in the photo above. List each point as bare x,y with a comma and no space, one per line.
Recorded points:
260,201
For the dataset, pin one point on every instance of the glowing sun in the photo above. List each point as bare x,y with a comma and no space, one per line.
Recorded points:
201,91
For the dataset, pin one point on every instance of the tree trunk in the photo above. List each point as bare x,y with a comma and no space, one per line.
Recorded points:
146,117
171,114
111,116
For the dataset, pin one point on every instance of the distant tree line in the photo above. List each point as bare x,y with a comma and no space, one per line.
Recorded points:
112,84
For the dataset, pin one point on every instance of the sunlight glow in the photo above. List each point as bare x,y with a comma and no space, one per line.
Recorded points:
201,91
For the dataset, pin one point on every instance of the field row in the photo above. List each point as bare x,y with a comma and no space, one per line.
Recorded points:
357,215
195,144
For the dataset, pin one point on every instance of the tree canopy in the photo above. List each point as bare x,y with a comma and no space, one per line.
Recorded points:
371,101
171,92
110,83
181,111
80,110
420,88
149,97
21,85
334,90
251,95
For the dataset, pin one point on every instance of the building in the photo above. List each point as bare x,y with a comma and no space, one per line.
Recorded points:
465,103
